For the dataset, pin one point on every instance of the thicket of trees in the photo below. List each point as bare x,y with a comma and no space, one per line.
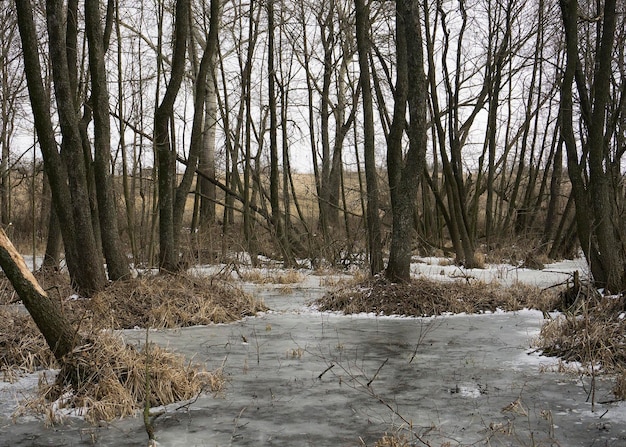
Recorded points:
178,130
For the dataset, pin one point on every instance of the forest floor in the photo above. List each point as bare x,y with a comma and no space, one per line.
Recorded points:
290,368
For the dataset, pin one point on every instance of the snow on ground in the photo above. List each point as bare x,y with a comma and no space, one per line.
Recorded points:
506,274
459,379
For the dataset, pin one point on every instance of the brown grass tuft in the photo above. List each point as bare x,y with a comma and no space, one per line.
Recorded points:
392,441
22,348
276,277
168,302
106,379
593,336
591,332
525,252
425,297
619,390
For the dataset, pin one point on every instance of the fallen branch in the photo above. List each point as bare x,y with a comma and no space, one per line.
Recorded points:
326,370
377,371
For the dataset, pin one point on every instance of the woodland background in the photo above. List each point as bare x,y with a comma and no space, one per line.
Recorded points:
164,133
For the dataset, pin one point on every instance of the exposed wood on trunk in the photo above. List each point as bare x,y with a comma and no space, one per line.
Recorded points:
56,329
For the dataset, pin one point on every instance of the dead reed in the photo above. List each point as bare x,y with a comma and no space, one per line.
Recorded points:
592,334
22,348
105,379
168,302
425,297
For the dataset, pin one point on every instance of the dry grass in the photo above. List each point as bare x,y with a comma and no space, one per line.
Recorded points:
168,302
22,348
592,332
425,297
392,441
619,390
271,277
106,379
592,336
526,253
155,302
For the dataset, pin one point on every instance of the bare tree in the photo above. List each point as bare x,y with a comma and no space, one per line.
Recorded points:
197,132
404,170
373,219
165,151
12,84
117,262
68,191
591,160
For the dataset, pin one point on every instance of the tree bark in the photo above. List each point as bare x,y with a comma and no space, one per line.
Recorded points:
371,178
117,262
404,174
54,244
597,224
85,270
201,89
277,221
206,163
60,336
168,250
92,271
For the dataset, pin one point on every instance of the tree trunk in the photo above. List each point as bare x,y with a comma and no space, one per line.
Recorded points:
404,173
598,226
607,223
117,262
327,35
277,221
60,336
86,272
54,244
206,66
555,193
371,178
128,187
92,272
207,155
396,268
168,250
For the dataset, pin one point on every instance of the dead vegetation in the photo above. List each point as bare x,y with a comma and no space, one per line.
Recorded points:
22,347
283,277
591,332
426,297
112,382
392,440
525,253
105,378
168,302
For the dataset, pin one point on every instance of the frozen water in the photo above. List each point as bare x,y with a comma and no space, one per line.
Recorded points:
299,377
